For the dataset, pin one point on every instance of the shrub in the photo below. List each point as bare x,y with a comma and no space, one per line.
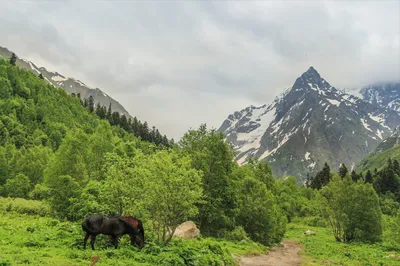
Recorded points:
353,210
23,206
237,234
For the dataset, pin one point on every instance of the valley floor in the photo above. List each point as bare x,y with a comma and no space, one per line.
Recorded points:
285,255
31,239
321,249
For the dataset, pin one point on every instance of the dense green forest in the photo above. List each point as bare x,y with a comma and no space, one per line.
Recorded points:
68,160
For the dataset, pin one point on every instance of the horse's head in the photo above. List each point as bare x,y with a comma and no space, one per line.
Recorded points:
137,240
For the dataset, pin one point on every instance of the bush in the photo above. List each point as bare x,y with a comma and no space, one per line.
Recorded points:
24,206
391,233
353,210
237,234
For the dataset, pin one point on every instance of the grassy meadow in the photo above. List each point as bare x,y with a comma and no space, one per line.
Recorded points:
322,249
30,239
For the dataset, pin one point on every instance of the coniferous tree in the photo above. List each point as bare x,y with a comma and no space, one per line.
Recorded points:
13,59
124,123
165,141
135,126
368,177
158,137
98,109
396,167
343,170
109,113
153,135
354,176
116,120
103,112
91,104
130,125
145,131
387,180
322,178
326,174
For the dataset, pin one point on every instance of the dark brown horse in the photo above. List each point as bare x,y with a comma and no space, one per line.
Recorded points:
114,227
136,223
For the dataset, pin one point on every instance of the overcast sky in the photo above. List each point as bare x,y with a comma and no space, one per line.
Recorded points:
180,64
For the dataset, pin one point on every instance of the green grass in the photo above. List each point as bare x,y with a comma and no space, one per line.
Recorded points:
322,249
27,239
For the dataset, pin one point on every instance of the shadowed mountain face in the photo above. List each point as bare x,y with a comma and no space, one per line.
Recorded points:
385,95
309,124
70,85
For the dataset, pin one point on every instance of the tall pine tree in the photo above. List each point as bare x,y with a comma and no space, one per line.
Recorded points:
13,59
343,170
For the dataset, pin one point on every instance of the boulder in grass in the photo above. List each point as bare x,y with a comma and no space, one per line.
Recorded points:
309,233
187,230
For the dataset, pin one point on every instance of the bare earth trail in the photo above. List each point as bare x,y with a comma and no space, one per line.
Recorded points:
286,255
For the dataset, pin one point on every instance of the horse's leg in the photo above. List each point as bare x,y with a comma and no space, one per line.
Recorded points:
93,238
115,241
85,240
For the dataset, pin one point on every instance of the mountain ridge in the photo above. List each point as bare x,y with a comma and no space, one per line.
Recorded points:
309,124
69,84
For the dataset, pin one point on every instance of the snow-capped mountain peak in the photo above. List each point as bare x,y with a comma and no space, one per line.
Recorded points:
307,125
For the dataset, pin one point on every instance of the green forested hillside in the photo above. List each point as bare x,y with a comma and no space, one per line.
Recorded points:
378,161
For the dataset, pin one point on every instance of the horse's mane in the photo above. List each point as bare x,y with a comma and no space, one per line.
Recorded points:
128,224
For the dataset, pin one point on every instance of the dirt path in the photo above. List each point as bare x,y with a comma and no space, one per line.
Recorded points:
286,255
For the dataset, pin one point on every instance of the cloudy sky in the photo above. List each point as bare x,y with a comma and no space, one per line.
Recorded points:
179,64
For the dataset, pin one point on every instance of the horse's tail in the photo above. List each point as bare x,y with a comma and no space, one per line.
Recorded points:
141,229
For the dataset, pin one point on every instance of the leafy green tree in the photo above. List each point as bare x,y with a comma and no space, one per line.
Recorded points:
170,191
288,194
211,154
62,190
258,211
18,187
392,232
13,59
70,159
117,193
353,210
3,166
31,162
100,143
5,88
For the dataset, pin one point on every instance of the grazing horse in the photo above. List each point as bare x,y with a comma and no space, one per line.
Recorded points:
136,223
114,227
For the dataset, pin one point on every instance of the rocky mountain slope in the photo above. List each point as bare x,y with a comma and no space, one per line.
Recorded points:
311,123
384,95
388,143
69,84
389,148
